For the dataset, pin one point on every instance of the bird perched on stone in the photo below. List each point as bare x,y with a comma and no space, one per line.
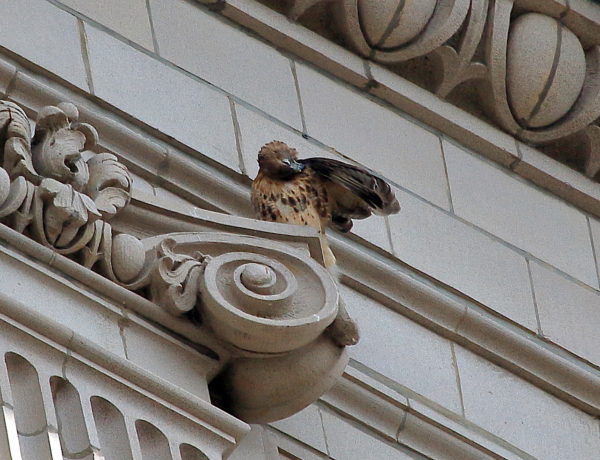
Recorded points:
318,192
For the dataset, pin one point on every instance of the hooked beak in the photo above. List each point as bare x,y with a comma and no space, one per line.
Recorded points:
296,166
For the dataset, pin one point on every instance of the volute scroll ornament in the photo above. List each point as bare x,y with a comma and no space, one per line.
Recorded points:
269,307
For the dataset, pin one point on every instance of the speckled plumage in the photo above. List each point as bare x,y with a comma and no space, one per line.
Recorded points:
317,192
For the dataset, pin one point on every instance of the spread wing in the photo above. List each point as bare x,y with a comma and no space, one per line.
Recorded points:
354,192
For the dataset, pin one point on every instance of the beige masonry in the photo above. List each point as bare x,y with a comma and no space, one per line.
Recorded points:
137,318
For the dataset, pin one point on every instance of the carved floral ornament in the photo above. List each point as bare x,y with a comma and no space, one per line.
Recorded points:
535,77
266,309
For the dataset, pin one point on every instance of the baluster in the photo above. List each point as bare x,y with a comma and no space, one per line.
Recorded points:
29,409
153,443
9,438
112,430
189,452
70,420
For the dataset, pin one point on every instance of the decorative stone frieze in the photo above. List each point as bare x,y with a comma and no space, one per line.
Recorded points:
61,193
266,308
536,75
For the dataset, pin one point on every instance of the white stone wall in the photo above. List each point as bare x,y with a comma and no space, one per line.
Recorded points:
199,82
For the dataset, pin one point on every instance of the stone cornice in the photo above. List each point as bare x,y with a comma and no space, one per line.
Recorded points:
357,396
421,298
471,324
449,313
424,105
401,418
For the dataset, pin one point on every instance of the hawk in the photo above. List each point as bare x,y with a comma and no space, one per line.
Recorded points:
317,192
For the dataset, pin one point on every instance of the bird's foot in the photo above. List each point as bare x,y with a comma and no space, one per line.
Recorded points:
344,332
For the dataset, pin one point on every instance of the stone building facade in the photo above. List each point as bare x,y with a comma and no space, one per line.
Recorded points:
144,314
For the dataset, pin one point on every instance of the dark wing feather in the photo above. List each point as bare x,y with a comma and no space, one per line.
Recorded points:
369,193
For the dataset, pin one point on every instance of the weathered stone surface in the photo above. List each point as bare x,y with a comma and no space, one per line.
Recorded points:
45,35
384,28
569,313
540,91
396,347
372,135
463,257
227,58
347,441
179,106
126,17
305,426
520,214
523,415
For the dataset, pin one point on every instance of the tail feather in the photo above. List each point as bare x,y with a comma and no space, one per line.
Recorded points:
329,259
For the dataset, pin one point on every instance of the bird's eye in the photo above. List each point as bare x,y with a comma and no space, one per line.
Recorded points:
286,162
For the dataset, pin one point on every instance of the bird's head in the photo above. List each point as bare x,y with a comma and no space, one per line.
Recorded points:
279,161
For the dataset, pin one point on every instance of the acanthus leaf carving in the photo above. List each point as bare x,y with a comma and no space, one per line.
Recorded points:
175,279
52,189
456,64
109,184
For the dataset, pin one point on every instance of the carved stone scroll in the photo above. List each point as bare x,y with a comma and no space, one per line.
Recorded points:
269,306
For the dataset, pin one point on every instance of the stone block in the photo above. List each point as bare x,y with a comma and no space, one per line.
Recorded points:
306,427
459,427
253,447
569,312
44,35
226,57
126,17
256,130
162,97
520,214
456,123
558,178
374,230
376,136
463,257
164,357
298,40
370,402
522,414
57,299
403,351
289,448
348,442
